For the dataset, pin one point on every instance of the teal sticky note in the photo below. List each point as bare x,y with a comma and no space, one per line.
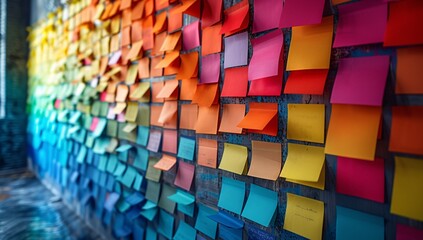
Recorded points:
141,160
204,224
186,148
185,202
122,205
120,169
151,233
232,195
165,226
82,154
149,210
123,148
101,125
129,177
164,202
102,163
75,116
351,224
261,205
153,191
138,182
185,232
142,137
111,164
100,145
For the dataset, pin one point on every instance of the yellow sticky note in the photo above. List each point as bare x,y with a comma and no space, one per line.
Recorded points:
234,158
407,193
306,122
303,162
304,216
131,112
132,74
320,184
140,91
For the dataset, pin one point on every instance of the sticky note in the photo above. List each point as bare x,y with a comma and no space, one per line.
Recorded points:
234,158
121,93
185,175
153,191
364,179
320,184
304,216
268,86
165,226
171,41
170,140
306,82
153,173
188,117
168,89
211,40
348,222
353,131
407,130
174,20
266,160
164,202
190,7
212,12
361,23
206,94
406,232
143,117
407,194
134,53
232,195
160,23
207,152
140,92
166,162
264,14
266,55
170,108
235,83
261,118
261,205
311,46
186,148
143,67
188,88
203,223
185,202
131,111
210,68
207,120
409,70
189,66
141,160
99,128
403,23
191,36
232,114
302,12
236,18
185,232
156,88
155,111
361,81
169,58
236,50
154,140
306,122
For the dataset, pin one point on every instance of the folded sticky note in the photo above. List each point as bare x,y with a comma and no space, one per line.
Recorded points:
212,12
306,122
189,66
266,160
170,108
268,86
306,82
301,12
185,232
188,88
304,216
232,114
409,70
203,223
186,148
169,89
185,202
153,173
207,152
261,205
236,50
320,184
191,36
206,94
232,195
236,18
351,224
261,118
185,175
234,158
407,194
229,227
165,226
166,162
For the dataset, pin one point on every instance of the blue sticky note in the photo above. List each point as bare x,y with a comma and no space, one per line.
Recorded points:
111,200
351,224
135,198
261,205
232,195
111,164
185,202
230,228
82,153
122,206
149,210
139,232
133,213
165,226
204,224
142,137
186,148
185,232
141,160
102,163
120,227
151,233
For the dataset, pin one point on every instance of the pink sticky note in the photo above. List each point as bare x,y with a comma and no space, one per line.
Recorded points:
191,37
408,233
361,23
266,53
265,12
121,117
94,124
210,68
170,140
185,175
361,81
154,140
361,178
111,113
301,12
236,50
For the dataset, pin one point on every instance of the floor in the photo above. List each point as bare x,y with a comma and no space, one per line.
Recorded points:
28,210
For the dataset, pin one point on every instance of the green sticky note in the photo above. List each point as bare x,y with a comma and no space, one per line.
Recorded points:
151,233
130,136
185,202
87,121
122,205
232,195
112,127
351,224
143,116
104,109
261,205
153,191
95,108
165,226
186,148
185,232
141,160
153,173
143,134
82,154
204,224
164,202
89,141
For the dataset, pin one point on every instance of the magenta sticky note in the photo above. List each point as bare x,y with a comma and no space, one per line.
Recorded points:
408,233
267,50
361,178
361,81
191,36
185,175
301,12
265,13
236,50
361,23
210,68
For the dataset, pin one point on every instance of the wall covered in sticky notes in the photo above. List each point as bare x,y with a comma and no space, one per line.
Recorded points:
207,119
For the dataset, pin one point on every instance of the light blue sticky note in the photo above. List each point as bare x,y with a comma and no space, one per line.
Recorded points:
101,125
165,226
204,224
129,177
123,148
75,116
232,195
141,160
151,233
138,182
122,206
102,163
185,202
142,136
185,232
186,148
149,210
261,205
120,169
82,154
351,224
111,164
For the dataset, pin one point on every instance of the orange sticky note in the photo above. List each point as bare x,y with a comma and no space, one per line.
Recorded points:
149,7
158,42
136,31
211,40
236,18
156,72
407,130
190,7
160,4
135,51
165,163
171,41
125,4
144,68
261,118
266,160
409,71
353,131
170,141
311,46
172,123
207,152
206,94
156,87
138,10
174,20
189,66
169,89
306,82
126,18
235,83
208,118
189,114
169,58
188,88
160,24
155,111
126,36
121,93
169,109
147,33
232,114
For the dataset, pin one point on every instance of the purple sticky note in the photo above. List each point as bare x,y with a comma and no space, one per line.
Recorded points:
266,53
265,13
210,68
408,233
191,37
115,58
154,140
111,113
361,81
185,175
121,117
301,12
361,23
236,50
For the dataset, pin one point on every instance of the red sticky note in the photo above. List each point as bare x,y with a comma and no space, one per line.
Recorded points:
306,82
191,36
235,83
212,12
301,12
170,141
185,175
270,86
361,178
408,233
